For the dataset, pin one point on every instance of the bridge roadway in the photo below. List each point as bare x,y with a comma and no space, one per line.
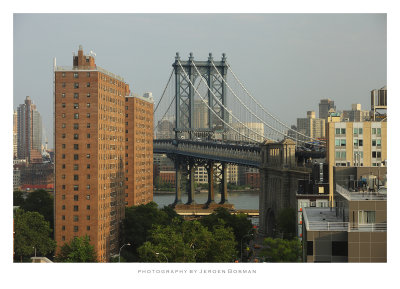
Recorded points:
234,153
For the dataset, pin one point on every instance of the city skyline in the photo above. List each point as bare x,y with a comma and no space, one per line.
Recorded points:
336,56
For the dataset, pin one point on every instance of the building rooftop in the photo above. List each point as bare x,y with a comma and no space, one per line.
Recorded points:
362,196
88,68
323,219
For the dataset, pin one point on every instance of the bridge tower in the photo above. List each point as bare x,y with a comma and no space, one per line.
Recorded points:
187,77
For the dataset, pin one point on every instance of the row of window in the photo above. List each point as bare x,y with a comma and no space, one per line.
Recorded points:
76,95
76,84
76,74
76,228
76,147
76,218
76,105
76,167
75,125
76,177
357,142
76,208
342,131
76,115
341,155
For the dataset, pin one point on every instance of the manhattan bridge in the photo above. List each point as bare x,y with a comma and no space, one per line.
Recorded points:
202,119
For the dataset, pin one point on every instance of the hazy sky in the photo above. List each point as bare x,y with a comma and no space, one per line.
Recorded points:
287,61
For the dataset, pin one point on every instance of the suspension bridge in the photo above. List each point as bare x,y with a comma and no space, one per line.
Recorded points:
201,119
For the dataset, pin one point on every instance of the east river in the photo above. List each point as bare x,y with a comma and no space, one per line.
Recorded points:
242,200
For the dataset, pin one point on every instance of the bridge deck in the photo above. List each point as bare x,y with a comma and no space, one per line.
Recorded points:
205,212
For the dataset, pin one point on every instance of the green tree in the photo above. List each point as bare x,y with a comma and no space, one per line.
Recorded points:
286,223
281,250
78,250
189,241
240,224
137,224
18,198
42,202
32,232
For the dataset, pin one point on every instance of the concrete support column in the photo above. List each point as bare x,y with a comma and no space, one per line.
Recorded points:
210,172
224,184
178,177
191,185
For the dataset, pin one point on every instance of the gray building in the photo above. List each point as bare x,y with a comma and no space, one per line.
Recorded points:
324,106
29,129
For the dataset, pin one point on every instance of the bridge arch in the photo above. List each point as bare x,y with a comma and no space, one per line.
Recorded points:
270,222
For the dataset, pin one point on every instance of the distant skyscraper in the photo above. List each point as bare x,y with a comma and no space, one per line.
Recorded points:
311,126
355,114
324,106
29,129
15,134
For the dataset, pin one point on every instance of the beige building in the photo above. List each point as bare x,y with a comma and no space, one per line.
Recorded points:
355,144
311,126
354,231
255,131
356,114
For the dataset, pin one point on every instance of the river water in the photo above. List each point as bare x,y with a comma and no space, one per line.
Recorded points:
243,200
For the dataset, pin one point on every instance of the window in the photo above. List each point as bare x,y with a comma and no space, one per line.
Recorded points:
337,142
76,125
378,131
63,187
355,130
63,228
76,177
373,142
76,115
366,217
76,208
88,156
378,142
76,187
88,125
88,104
76,136
62,95
88,166
63,135
63,84
88,228
88,74
63,238
63,197
75,228
63,104
88,177
87,217
76,105
374,131
76,85
63,166
310,249
88,135
76,75
76,218
63,115
63,156
76,146
342,142
63,74
63,177
360,130
88,115
88,95
378,155
88,146
87,197
88,84
88,207
88,187
76,95
63,217
76,167
339,248
87,60
64,125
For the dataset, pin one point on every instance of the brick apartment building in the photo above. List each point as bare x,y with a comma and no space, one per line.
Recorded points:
138,150
99,138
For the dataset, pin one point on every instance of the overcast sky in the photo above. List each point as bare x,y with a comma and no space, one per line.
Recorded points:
287,61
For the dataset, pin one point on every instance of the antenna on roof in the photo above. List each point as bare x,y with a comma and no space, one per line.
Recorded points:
92,53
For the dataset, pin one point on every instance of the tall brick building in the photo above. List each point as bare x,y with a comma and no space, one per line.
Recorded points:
89,106
138,150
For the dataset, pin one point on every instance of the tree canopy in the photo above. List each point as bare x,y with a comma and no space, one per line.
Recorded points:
138,222
32,232
78,250
42,202
281,250
189,241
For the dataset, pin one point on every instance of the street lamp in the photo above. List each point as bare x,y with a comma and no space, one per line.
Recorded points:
119,255
163,255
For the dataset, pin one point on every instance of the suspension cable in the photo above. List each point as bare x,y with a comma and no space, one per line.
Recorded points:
252,112
276,119
222,105
210,109
164,91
